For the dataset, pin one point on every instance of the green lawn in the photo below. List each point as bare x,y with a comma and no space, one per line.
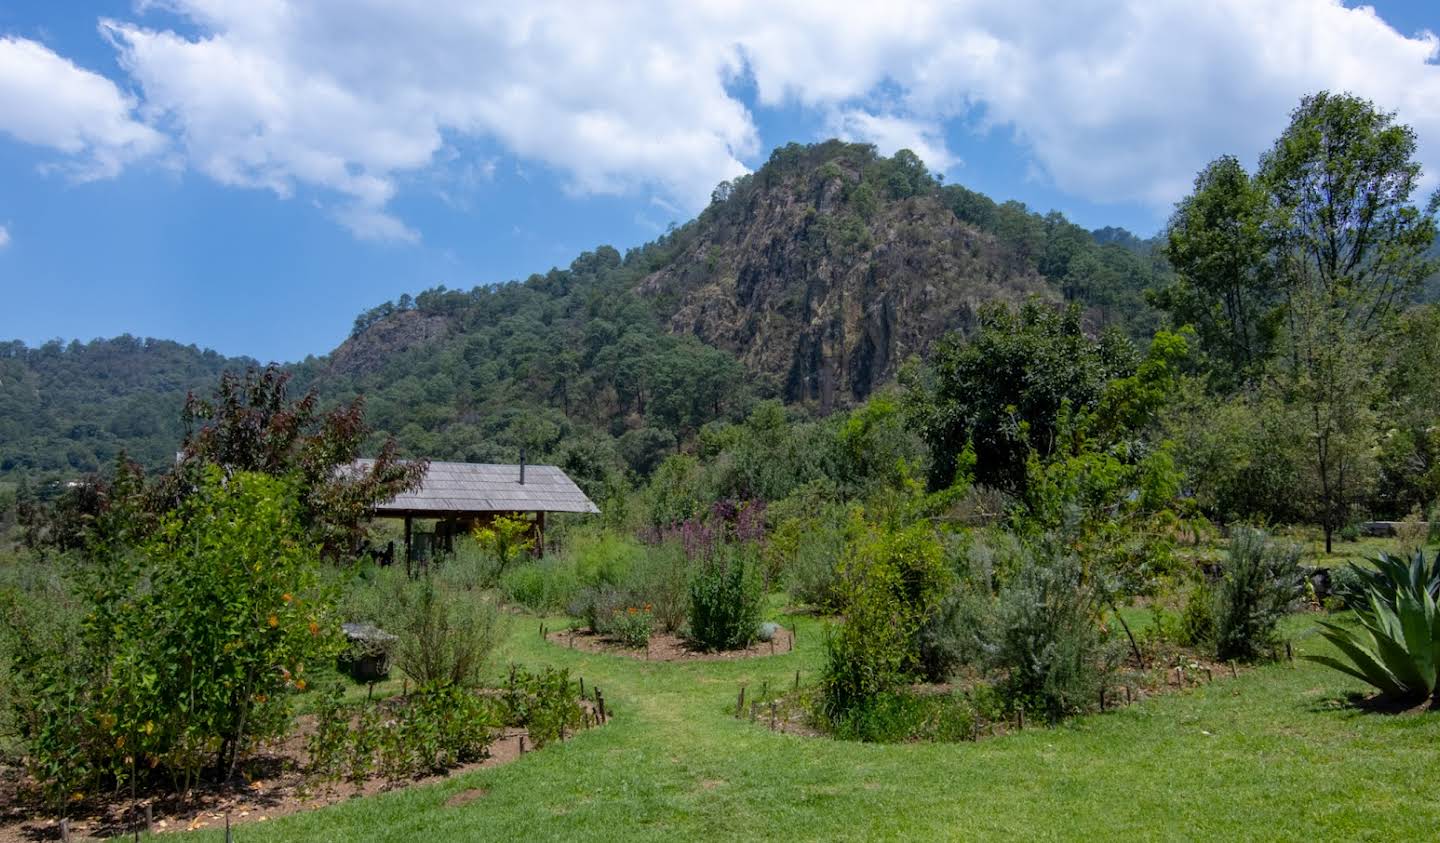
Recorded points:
1271,755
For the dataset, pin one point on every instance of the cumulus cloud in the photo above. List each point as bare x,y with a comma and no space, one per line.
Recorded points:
890,134
47,100
1111,99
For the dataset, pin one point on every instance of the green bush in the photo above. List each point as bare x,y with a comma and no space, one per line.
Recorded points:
222,607
445,637
1197,621
632,625
1048,641
726,598
543,587
545,703
892,581
660,579
812,569
1260,585
1397,648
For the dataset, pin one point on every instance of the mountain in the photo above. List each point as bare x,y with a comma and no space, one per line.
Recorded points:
822,272
809,281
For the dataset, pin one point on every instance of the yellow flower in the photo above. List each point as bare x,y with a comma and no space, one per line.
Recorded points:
300,684
274,621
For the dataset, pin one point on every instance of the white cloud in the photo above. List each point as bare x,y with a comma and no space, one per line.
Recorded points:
4,237
1112,99
891,134
46,100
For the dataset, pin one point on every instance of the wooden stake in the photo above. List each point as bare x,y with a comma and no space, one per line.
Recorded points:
228,837
1234,672
149,818
797,680
1209,675
1127,695
772,645
600,701
582,687
975,729
740,704
522,744
1102,699
65,829
1020,717
1289,653
772,715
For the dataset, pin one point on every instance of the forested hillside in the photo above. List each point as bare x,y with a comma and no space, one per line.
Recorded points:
69,409
810,281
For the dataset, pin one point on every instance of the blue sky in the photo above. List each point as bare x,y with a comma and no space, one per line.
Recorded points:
249,176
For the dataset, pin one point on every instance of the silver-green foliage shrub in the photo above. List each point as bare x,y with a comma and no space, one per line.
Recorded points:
1260,585
1048,639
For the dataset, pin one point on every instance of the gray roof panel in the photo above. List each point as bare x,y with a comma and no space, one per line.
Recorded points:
458,487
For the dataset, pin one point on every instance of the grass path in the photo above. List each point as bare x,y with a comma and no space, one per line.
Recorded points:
1270,755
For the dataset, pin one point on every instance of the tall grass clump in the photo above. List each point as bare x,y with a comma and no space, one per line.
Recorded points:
1260,585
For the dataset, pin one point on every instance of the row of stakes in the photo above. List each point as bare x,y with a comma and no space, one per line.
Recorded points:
598,717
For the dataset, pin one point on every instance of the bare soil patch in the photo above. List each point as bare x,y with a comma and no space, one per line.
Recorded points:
665,647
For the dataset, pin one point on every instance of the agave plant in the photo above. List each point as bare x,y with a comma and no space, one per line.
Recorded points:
1389,572
1397,647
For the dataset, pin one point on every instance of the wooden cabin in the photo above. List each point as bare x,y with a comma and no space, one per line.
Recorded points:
461,496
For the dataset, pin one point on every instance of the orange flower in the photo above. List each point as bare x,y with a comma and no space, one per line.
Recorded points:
314,629
274,621
286,597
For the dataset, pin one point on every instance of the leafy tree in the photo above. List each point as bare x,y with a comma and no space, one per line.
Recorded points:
1001,392
252,425
1225,285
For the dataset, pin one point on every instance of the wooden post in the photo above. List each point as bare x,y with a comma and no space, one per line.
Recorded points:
582,687
228,837
1127,695
540,533
409,568
772,716
740,704
1234,672
1020,717
1102,699
797,680
65,829
600,702
975,729
522,744
149,818
1289,653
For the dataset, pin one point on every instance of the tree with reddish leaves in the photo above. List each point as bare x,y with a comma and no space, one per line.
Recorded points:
251,424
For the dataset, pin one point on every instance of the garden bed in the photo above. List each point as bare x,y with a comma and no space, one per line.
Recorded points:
789,710
664,647
275,784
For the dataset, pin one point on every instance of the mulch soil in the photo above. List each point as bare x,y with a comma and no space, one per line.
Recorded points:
668,648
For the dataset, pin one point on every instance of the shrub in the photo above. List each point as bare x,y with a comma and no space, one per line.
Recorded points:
542,587
891,583
222,607
446,637
726,597
1048,640
545,703
1197,621
660,579
1260,584
505,540
955,635
813,568
1397,648
632,625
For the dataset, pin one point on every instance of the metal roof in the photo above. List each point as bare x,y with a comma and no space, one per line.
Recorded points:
450,488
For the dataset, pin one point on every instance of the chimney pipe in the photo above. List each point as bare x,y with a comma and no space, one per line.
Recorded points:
522,465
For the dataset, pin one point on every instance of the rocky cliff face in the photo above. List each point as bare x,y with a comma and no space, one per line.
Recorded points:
823,274
369,350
